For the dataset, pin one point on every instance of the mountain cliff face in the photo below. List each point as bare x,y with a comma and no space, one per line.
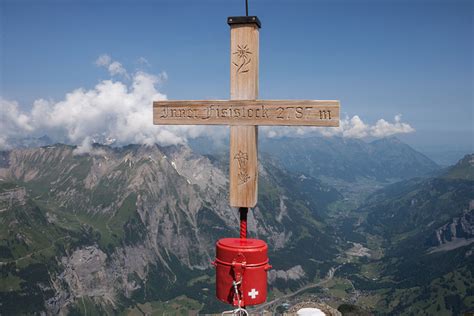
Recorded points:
105,229
457,232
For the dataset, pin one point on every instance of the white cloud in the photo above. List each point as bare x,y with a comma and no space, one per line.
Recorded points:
13,122
114,67
120,113
143,61
353,127
111,112
383,128
103,60
86,147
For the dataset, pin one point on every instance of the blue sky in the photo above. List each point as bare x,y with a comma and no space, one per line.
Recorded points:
380,58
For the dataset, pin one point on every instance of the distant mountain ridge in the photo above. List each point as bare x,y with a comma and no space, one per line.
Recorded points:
349,159
336,157
343,158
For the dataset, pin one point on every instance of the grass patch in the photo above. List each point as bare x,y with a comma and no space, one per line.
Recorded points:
10,283
339,288
200,279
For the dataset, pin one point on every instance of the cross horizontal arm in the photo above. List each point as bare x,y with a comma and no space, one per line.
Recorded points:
247,112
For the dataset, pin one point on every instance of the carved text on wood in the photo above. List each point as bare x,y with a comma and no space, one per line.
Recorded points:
248,112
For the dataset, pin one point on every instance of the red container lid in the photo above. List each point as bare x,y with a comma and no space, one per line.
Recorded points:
254,250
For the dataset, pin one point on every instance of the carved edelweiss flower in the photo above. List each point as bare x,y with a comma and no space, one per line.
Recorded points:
242,52
242,159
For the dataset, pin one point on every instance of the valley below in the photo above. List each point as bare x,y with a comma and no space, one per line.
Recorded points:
365,227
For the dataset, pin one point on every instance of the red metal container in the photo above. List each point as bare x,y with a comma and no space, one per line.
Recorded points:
241,271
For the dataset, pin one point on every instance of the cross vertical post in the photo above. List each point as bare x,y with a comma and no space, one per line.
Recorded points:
244,51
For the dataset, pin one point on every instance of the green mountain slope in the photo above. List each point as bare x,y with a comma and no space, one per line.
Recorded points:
426,235
462,170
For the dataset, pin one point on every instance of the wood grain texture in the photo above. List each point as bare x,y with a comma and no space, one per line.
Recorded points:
244,58
247,112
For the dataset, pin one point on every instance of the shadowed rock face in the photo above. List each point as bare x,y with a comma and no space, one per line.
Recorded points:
457,233
121,223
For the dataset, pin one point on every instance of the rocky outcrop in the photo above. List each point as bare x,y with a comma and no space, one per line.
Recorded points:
295,273
85,272
461,227
457,233
12,196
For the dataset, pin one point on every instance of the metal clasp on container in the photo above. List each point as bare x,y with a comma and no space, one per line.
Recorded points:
238,267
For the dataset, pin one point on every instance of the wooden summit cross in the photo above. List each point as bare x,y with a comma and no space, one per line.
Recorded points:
243,112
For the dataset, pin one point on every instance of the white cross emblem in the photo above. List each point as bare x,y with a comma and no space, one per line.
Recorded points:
253,294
